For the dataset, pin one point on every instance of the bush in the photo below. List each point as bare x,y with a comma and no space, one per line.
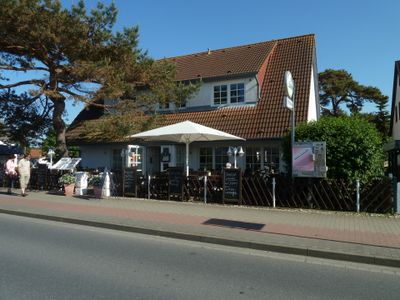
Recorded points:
96,180
67,178
354,147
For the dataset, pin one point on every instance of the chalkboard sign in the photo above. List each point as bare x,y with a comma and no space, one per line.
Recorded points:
129,187
175,182
232,185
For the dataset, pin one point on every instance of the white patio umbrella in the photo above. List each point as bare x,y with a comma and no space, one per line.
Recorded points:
185,132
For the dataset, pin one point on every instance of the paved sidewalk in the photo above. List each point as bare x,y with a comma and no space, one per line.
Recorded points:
343,236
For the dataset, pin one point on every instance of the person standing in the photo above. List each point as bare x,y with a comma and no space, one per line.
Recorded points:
10,172
24,169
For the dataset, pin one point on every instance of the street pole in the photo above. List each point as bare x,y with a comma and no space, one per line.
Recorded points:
293,125
293,118
289,89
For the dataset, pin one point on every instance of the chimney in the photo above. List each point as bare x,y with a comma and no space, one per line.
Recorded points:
208,51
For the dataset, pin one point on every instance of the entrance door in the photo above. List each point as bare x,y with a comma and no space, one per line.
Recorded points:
153,160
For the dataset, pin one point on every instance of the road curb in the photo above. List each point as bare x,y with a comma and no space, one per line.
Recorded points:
286,249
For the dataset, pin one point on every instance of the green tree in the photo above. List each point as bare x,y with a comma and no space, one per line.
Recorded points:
354,146
74,55
338,89
25,119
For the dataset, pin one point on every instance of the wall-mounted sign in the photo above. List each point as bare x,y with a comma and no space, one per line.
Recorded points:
309,159
289,84
287,103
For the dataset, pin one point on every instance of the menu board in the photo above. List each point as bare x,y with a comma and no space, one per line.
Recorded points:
129,187
175,181
232,185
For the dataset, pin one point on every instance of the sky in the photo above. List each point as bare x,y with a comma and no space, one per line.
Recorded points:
360,36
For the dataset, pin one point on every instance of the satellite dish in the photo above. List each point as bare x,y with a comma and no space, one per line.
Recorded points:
289,84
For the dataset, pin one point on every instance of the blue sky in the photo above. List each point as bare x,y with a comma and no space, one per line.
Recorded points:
360,36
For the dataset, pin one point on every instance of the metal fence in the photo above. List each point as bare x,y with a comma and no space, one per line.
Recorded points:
326,194
259,190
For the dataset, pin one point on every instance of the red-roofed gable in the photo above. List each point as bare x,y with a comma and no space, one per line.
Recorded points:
268,61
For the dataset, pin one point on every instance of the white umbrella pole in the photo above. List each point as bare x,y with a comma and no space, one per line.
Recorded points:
187,158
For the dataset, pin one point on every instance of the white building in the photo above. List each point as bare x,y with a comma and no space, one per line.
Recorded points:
241,93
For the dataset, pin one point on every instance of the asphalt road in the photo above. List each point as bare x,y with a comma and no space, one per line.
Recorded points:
49,260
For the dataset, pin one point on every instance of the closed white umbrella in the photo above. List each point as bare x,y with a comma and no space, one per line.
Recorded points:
185,132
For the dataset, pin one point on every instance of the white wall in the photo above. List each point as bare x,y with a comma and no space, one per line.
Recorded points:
205,95
94,156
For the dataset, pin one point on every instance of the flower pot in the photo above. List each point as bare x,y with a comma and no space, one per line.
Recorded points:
69,189
97,190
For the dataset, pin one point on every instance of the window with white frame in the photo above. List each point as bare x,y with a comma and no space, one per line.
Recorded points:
206,159
237,92
220,94
221,158
232,93
253,158
180,155
271,159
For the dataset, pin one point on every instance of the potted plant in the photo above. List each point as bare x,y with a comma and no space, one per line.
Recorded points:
68,180
96,181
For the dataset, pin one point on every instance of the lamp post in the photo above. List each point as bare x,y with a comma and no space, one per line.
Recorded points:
51,153
235,151
288,102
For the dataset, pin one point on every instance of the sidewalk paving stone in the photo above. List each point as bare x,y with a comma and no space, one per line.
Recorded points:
373,239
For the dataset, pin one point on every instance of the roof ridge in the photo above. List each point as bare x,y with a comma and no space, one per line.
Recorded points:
235,47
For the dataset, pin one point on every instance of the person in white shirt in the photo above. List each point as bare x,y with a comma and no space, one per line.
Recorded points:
10,172
24,169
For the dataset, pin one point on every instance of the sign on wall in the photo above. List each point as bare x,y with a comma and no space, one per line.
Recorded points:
309,159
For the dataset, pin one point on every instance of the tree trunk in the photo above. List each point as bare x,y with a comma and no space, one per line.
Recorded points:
59,126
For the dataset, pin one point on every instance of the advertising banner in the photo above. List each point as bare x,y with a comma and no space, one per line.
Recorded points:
309,159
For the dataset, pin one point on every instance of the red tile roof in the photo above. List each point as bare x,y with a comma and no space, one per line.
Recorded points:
36,153
222,62
269,60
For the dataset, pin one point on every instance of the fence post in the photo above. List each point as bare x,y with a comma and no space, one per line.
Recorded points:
358,195
205,188
148,187
396,195
273,192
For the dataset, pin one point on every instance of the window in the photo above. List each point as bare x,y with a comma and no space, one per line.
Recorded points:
253,158
234,95
220,94
182,104
237,92
180,155
206,159
164,105
271,159
221,158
